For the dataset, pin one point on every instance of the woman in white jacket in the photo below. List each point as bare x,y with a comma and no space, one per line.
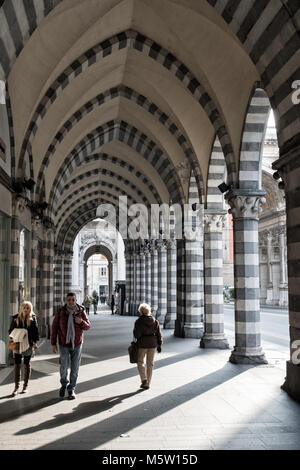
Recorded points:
23,329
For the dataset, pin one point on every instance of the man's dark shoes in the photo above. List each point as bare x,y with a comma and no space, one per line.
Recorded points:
72,395
62,392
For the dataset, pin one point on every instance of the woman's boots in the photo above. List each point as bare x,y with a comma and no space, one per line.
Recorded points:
17,374
26,377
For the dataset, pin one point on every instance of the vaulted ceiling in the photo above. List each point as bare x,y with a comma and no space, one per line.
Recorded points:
125,96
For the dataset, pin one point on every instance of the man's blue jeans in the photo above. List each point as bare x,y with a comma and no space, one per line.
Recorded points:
69,357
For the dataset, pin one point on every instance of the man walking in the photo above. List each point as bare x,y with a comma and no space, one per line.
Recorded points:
68,325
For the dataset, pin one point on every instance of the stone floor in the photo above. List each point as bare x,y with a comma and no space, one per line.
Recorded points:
198,400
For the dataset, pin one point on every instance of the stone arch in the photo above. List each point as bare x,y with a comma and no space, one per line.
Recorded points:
216,176
255,126
132,39
104,250
131,95
129,135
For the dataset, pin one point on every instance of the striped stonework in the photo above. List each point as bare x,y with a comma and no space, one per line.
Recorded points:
213,336
154,278
269,32
289,168
142,276
140,100
245,209
180,288
47,281
58,280
128,278
162,281
170,317
129,135
67,273
132,40
253,141
216,176
14,265
34,253
137,281
148,274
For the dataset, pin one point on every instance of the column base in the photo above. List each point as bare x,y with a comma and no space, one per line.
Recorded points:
244,358
160,318
179,329
193,331
214,342
169,324
292,381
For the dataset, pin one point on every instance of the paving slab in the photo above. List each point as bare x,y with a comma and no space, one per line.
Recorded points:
197,400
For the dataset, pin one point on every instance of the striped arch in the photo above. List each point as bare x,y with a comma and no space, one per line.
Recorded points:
132,40
216,176
18,21
11,129
252,141
269,32
129,135
76,222
127,93
97,186
120,164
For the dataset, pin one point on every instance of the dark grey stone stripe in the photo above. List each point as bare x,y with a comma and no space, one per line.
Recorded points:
14,27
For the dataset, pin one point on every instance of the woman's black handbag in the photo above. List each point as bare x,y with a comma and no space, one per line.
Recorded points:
133,352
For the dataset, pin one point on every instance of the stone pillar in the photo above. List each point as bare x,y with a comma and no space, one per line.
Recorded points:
288,167
138,283
18,207
213,336
154,278
110,278
58,279
162,282
35,224
147,275
283,287
142,276
245,207
67,273
47,280
269,300
170,317
128,280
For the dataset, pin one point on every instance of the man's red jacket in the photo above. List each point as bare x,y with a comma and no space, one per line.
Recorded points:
60,326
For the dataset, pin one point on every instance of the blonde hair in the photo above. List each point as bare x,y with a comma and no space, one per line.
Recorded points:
28,316
144,309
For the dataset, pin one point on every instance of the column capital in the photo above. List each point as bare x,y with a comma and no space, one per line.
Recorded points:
161,245
171,243
214,221
245,204
19,203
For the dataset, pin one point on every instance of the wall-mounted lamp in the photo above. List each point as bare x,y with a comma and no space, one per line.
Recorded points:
223,187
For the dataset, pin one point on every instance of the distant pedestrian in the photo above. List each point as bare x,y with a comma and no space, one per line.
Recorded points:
68,325
95,304
87,303
112,304
23,330
149,338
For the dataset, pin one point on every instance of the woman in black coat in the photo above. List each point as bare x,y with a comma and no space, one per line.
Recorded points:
149,339
25,319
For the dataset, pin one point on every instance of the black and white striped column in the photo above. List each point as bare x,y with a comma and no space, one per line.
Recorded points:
58,280
14,265
154,278
128,279
148,275
170,317
213,325
34,254
67,273
288,167
138,282
162,281
142,276
47,280
245,209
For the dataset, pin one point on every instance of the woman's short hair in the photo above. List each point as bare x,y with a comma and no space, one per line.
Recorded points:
144,309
